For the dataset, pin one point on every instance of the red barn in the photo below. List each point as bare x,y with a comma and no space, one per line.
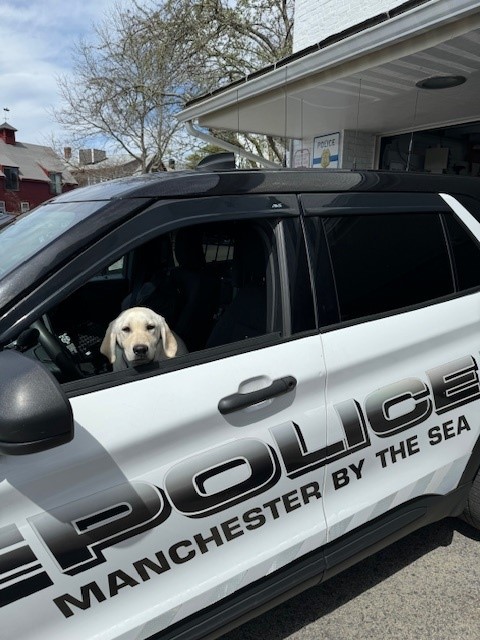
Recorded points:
29,173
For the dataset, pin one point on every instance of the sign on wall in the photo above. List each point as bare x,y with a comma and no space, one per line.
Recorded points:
326,151
301,158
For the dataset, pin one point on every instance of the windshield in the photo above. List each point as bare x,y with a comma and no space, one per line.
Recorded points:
32,231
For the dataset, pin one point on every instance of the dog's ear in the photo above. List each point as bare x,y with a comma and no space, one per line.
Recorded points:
108,345
168,339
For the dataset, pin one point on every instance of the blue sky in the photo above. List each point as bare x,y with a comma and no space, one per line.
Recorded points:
36,37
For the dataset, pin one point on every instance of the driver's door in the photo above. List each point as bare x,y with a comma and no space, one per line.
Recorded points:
169,500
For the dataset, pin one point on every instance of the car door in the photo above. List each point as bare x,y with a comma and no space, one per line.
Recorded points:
402,356
183,485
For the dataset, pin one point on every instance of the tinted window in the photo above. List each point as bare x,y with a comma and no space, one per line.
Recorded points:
327,306
388,261
465,252
302,312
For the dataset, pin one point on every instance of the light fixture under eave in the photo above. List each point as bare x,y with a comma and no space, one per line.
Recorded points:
440,82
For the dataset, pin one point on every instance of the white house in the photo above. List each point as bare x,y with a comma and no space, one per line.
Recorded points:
370,84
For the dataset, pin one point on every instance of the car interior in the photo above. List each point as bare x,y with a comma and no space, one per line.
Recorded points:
209,282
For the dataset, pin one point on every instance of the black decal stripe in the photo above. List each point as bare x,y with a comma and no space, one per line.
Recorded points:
24,588
31,569
327,454
99,518
16,558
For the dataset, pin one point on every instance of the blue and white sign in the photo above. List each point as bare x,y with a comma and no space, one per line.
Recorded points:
326,151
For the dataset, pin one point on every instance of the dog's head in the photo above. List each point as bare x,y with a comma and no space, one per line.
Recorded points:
143,336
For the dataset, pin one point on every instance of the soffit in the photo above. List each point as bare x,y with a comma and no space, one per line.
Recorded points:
334,89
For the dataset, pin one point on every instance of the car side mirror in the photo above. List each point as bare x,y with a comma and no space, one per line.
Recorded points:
35,414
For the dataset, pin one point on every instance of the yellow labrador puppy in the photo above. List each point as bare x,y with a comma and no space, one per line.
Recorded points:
138,336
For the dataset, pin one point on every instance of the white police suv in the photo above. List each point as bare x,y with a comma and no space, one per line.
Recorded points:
329,402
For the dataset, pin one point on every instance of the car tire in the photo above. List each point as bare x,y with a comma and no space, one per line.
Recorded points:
471,513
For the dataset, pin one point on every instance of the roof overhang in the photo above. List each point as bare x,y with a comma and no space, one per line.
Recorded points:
366,81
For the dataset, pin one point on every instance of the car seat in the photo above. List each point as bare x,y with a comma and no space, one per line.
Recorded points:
152,285
246,315
198,290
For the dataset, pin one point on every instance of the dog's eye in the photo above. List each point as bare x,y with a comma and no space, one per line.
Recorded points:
150,327
126,329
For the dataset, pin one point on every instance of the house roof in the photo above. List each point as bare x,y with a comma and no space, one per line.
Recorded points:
5,125
363,79
34,161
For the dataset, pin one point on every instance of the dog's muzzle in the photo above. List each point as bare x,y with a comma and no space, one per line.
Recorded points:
140,350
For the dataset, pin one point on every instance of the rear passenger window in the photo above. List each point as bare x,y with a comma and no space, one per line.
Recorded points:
465,254
383,262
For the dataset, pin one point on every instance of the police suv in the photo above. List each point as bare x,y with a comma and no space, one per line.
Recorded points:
329,402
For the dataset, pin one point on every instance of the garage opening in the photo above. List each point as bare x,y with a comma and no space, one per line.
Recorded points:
451,150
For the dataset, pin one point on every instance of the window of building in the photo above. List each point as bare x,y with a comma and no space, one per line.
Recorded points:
450,150
11,178
55,183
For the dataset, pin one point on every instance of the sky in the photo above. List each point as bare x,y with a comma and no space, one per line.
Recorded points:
36,38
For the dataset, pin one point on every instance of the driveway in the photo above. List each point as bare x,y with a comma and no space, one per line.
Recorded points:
424,587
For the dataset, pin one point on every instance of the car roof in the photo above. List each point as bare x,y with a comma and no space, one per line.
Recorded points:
5,218
197,183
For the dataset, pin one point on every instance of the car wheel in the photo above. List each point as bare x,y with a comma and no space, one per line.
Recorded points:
471,513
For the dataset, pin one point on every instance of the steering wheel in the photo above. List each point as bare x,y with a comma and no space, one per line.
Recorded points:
57,352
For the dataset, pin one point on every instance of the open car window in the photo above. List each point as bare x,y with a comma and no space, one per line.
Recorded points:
213,284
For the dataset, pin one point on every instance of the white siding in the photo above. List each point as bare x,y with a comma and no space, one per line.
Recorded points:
316,20
358,150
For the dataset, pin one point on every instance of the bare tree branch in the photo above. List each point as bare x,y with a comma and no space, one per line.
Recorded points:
146,60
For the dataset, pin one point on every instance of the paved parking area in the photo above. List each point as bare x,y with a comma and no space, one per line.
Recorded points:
424,587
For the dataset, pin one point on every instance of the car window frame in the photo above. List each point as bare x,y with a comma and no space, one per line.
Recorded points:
161,217
344,204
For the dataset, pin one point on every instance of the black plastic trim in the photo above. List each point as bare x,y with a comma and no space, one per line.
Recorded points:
387,314
238,401
372,203
190,184
36,446
35,412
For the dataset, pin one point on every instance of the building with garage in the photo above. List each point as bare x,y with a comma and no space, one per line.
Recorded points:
370,84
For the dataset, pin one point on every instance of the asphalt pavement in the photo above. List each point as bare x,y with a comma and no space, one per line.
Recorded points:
424,587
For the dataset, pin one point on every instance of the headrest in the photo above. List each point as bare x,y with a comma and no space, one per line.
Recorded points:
249,258
189,248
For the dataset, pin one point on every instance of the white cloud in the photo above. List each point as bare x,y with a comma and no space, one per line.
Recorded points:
36,40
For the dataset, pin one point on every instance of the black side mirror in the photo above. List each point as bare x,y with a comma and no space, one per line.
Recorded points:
35,414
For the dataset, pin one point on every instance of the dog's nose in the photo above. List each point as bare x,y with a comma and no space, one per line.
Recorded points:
140,349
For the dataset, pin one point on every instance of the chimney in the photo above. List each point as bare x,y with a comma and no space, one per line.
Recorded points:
7,133
67,153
